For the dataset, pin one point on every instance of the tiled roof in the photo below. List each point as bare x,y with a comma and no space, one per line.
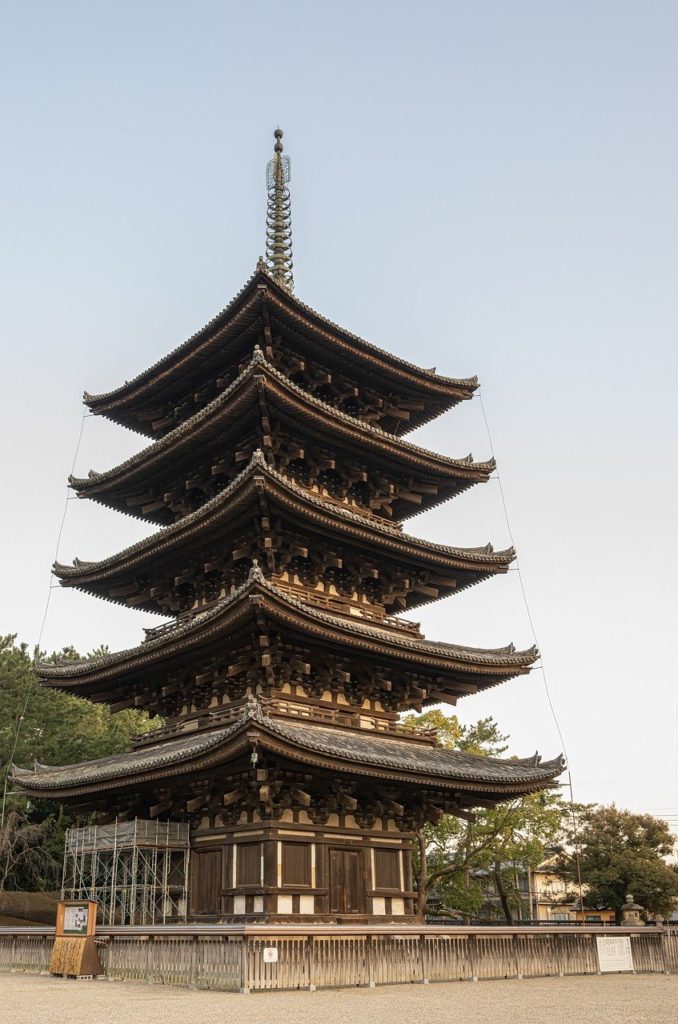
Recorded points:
362,747
170,752
291,302
334,416
501,658
350,747
220,504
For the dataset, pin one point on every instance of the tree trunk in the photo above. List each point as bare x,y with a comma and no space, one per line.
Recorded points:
501,891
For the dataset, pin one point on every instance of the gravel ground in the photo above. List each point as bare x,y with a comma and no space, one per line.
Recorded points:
611,999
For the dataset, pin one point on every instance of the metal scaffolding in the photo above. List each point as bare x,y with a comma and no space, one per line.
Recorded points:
137,871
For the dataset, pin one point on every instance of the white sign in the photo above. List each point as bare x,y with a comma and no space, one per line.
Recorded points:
270,955
75,920
614,953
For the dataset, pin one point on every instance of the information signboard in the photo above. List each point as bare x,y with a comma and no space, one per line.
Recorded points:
614,953
76,919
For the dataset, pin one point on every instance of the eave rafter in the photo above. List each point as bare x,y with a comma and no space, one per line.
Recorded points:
259,496
261,388
471,777
450,670
133,403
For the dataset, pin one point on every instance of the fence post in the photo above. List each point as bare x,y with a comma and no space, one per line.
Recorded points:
193,970
149,959
516,957
557,953
662,947
310,953
244,973
369,956
12,956
424,960
110,946
472,951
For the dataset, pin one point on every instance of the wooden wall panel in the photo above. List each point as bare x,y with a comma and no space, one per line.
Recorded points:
347,894
248,871
296,864
387,869
205,882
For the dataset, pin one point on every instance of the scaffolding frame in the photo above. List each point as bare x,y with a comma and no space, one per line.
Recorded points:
136,871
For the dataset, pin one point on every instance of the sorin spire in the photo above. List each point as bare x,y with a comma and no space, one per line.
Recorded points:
279,216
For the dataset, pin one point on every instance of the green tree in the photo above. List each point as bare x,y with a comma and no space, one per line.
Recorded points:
53,727
494,841
26,859
56,727
619,853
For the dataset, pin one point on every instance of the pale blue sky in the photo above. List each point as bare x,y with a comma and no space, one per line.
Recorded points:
485,187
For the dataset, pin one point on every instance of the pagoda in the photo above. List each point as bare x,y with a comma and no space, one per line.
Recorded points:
279,475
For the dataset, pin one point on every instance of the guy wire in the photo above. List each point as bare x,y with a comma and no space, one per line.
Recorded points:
36,650
573,815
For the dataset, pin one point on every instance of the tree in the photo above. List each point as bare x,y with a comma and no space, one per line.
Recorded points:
619,853
26,861
53,727
454,853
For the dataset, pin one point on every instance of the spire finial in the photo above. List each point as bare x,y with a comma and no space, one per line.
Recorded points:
279,216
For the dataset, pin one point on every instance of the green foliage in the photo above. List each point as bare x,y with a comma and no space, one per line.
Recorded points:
481,738
619,853
455,853
57,728
26,859
38,723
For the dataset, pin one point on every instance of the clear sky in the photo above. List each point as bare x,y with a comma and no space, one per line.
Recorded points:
487,187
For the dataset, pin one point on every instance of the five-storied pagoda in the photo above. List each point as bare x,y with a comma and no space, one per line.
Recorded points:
279,478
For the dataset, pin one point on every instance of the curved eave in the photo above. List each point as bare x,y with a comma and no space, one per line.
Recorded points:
226,409
294,499
482,667
334,749
122,771
261,287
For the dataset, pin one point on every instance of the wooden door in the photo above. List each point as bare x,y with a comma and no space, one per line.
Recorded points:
346,885
205,882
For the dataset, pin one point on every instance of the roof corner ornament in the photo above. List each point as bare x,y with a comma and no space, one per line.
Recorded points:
255,574
279,216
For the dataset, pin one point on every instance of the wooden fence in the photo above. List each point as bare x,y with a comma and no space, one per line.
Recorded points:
254,957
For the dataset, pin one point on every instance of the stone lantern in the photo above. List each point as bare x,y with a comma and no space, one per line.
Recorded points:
632,913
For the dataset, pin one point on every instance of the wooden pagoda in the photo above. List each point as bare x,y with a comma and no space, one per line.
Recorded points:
279,475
